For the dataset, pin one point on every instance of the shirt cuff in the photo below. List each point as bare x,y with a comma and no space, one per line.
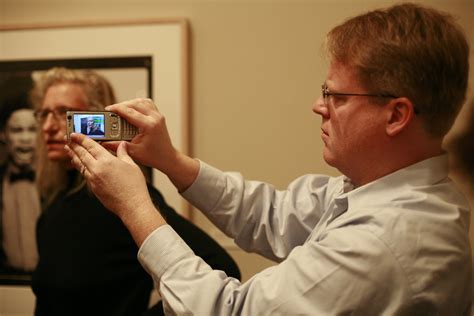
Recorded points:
161,250
207,189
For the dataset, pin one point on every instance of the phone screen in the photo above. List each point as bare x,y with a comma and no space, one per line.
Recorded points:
92,125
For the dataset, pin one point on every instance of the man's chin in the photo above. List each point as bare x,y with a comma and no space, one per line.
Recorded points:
329,158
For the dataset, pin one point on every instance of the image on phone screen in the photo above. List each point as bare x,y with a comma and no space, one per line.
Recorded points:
92,125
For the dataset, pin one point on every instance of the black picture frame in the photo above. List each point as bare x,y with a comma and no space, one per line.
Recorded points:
22,72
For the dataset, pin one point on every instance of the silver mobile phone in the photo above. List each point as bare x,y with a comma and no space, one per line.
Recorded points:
99,125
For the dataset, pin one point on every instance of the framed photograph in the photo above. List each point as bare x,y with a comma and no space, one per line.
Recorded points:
144,58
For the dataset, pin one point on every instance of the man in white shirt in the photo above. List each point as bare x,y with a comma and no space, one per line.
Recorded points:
390,237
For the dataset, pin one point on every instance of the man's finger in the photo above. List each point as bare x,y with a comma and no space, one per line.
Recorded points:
141,105
80,166
122,153
89,145
130,114
134,111
80,156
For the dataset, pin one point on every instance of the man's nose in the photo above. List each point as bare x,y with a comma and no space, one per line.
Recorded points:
50,122
319,107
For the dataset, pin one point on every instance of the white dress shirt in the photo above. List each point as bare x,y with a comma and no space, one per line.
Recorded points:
396,246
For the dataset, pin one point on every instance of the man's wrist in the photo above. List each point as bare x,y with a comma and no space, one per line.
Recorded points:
183,172
142,221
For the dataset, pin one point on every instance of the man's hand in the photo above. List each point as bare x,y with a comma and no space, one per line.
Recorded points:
117,182
152,146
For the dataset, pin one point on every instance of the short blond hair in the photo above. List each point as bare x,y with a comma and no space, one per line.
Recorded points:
411,51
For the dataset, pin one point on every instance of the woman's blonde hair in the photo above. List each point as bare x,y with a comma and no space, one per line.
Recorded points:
52,177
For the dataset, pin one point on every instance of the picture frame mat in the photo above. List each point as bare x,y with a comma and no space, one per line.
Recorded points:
166,40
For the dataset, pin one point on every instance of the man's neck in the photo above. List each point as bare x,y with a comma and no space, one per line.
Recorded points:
392,159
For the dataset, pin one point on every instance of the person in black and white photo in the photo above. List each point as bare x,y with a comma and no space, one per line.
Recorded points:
20,207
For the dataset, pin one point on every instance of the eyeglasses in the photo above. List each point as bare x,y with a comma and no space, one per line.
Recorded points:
59,114
326,94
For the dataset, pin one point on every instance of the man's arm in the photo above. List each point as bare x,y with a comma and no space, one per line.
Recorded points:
202,244
260,218
330,277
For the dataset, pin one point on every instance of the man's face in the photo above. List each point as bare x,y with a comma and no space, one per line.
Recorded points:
60,98
20,135
90,122
351,125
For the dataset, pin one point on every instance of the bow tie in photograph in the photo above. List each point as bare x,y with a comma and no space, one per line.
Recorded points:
24,175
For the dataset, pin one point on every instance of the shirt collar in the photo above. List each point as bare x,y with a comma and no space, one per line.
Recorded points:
422,173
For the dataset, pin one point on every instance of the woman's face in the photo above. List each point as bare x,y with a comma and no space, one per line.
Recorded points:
20,136
58,99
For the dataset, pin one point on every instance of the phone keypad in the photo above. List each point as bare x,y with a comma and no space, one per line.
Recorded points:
129,130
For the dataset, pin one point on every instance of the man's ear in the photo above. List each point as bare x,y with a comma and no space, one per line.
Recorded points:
3,138
400,112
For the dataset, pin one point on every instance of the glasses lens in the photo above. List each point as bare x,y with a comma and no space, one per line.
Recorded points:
60,113
40,115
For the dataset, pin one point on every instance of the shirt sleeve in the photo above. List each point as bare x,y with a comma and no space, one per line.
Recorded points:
325,277
260,218
197,239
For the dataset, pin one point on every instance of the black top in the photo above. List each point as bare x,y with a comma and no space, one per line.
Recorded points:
88,260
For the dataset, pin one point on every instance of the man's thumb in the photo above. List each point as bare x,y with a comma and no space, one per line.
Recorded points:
122,153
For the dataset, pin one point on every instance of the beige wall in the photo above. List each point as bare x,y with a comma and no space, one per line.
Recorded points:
256,69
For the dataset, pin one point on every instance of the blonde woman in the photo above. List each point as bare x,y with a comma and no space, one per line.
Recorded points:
87,258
